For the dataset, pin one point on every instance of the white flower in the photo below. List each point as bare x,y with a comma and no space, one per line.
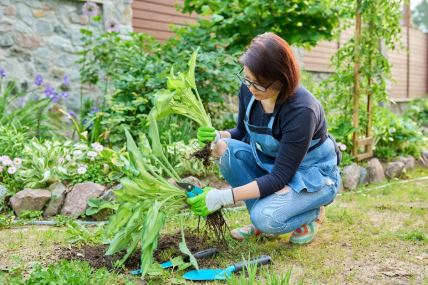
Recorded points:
1,169
98,147
17,161
61,160
77,153
7,161
3,158
341,146
68,157
92,154
11,170
82,169
105,167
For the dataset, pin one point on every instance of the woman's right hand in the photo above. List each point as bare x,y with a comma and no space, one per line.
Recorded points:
207,135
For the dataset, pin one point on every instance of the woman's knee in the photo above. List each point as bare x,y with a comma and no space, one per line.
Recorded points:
265,222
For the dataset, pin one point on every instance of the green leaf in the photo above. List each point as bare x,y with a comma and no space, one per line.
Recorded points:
184,249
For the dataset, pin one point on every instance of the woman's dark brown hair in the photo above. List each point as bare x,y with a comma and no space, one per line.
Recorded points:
270,58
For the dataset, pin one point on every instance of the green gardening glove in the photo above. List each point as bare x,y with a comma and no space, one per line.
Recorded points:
207,135
210,200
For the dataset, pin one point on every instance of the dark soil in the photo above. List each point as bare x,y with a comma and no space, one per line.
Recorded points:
94,254
204,154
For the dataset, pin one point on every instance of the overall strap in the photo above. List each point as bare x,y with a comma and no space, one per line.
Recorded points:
247,113
320,142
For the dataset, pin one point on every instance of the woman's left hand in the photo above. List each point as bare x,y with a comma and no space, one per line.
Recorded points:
210,201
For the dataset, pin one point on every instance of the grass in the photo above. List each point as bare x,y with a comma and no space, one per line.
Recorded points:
375,236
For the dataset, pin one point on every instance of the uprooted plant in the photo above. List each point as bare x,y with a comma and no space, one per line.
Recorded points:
182,97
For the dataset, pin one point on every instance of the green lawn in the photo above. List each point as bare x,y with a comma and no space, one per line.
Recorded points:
374,236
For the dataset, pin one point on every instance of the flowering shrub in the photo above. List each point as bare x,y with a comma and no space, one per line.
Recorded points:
43,163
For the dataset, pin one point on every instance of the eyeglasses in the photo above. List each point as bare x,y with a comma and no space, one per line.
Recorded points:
248,82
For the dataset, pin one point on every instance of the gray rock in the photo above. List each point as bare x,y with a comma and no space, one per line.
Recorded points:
60,43
351,176
394,169
109,194
6,41
60,30
409,161
4,2
423,159
363,176
76,200
44,28
3,193
375,171
58,191
25,14
30,200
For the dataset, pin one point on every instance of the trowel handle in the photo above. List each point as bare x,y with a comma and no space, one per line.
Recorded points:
261,260
206,253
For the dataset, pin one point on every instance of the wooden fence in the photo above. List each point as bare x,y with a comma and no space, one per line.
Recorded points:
409,72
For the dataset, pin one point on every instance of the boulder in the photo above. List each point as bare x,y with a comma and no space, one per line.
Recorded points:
409,161
423,159
58,191
394,169
375,171
363,176
351,176
3,193
108,195
29,200
76,200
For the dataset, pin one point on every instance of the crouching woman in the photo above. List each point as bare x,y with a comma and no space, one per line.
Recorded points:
279,159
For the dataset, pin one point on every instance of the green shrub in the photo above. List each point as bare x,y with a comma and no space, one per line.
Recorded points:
418,111
395,135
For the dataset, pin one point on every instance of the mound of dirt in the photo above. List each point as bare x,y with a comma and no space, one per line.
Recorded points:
95,254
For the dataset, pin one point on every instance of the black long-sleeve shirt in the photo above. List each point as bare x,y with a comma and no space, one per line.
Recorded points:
298,121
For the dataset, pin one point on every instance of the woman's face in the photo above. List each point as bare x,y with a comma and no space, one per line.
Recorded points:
271,92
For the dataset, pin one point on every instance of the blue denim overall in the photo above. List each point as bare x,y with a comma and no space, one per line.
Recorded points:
314,184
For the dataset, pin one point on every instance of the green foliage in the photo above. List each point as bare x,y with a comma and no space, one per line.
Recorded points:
299,22
395,135
180,154
77,233
336,92
44,163
420,16
417,110
95,205
181,97
8,133
144,202
30,215
65,272
131,70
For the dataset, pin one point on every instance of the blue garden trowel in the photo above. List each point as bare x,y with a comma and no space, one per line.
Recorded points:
168,264
223,274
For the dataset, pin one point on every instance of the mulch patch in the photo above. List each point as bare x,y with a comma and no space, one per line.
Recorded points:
94,254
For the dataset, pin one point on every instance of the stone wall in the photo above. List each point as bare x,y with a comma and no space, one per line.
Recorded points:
43,36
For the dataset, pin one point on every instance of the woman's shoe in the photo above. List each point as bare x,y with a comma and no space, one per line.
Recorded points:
245,232
305,234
